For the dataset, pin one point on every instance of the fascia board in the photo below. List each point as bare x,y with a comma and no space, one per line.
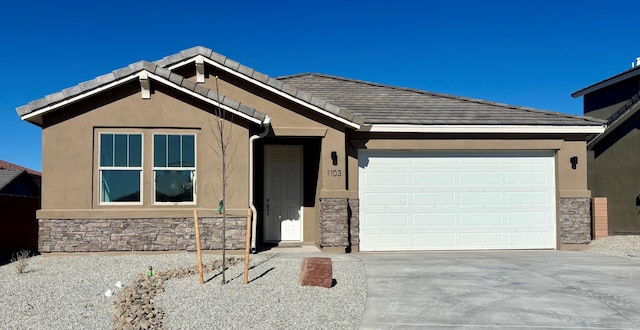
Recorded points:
127,79
484,129
79,97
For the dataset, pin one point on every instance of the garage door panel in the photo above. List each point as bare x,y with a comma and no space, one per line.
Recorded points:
449,200
433,199
527,219
386,199
385,178
526,178
527,198
479,178
428,179
528,240
433,241
417,161
474,160
423,219
482,240
385,242
480,198
386,220
480,219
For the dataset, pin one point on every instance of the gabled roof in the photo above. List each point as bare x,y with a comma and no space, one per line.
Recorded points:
608,82
384,105
19,183
7,176
5,165
352,102
34,110
315,102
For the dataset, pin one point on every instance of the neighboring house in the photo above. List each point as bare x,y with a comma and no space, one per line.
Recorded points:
343,164
614,156
19,201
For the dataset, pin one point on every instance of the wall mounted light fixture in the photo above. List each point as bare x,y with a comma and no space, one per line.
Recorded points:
574,162
334,158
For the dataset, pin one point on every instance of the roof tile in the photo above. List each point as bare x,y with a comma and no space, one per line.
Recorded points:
121,73
188,84
260,76
245,70
231,64
275,83
176,78
218,57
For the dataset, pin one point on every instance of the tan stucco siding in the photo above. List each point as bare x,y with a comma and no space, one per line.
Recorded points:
293,120
572,182
70,151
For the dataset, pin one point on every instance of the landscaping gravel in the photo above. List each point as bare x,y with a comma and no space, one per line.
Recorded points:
622,246
68,293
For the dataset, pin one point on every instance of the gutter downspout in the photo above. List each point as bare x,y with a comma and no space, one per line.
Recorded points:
254,212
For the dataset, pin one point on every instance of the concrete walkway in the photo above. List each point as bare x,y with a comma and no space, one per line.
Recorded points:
508,290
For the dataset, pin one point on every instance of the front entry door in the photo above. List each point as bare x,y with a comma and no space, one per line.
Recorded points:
283,193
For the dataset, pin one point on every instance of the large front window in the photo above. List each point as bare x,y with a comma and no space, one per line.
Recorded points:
120,168
174,161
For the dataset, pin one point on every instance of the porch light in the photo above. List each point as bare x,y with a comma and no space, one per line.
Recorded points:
334,158
574,162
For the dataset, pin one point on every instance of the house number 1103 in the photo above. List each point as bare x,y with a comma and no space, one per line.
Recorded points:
334,172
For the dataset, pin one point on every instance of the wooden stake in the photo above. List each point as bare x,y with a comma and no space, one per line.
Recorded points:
195,223
247,248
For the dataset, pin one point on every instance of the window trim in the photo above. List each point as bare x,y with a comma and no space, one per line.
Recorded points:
193,168
120,168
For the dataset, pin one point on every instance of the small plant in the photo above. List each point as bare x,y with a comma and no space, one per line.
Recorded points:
21,260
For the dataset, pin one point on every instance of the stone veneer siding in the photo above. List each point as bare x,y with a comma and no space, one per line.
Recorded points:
575,220
339,222
100,235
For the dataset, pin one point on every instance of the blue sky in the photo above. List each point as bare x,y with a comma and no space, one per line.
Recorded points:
528,53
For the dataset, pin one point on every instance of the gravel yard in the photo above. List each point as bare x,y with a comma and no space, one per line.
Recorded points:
68,292
621,246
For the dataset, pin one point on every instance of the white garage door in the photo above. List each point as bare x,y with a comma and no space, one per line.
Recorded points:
417,200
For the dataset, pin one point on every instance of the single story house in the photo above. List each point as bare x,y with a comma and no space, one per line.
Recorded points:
19,201
613,156
342,164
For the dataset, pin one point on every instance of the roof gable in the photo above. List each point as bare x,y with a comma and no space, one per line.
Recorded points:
388,105
18,183
34,110
300,96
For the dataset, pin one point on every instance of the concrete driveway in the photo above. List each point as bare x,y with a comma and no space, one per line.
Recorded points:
488,290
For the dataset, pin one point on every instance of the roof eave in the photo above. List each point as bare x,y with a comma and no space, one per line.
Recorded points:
521,129
608,82
35,116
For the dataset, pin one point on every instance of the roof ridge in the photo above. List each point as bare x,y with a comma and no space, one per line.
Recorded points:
449,96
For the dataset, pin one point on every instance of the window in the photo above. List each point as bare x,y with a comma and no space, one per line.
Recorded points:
174,168
120,168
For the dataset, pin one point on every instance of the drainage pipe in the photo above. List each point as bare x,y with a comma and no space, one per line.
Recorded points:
254,212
